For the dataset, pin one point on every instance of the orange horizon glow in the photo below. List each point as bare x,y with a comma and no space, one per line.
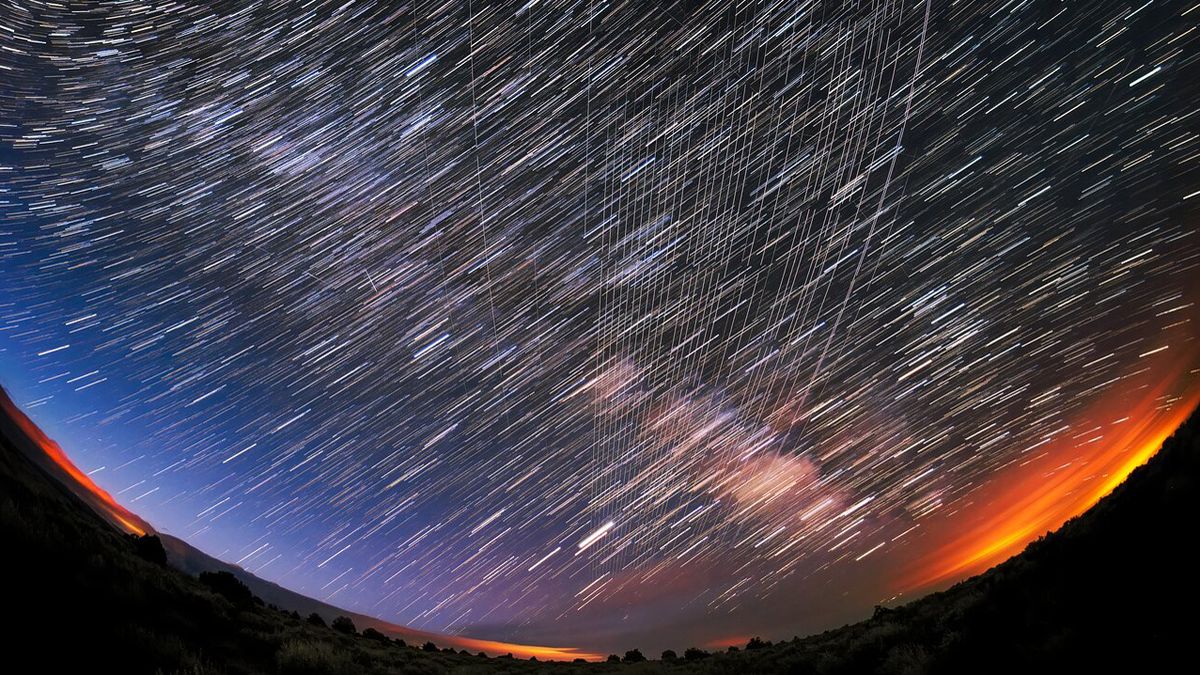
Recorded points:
525,651
107,505
732,641
1041,495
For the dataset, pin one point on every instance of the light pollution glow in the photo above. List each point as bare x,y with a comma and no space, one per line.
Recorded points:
1059,483
84,486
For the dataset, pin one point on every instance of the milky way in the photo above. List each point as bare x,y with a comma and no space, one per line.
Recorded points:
531,320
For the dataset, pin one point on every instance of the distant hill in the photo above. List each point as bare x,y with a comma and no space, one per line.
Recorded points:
1112,590
187,558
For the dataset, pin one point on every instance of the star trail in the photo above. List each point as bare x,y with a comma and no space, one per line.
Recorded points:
570,322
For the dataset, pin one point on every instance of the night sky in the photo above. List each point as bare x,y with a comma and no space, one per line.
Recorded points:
602,324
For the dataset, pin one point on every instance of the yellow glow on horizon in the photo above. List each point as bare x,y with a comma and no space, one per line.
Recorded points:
1031,500
543,653
122,516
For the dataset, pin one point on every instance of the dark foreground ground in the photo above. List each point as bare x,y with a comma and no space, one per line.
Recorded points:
1113,590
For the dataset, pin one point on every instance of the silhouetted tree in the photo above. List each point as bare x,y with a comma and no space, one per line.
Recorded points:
228,586
633,656
315,619
343,624
613,658
149,547
732,649
372,634
400,642
757,643
669,655
429,647
694,654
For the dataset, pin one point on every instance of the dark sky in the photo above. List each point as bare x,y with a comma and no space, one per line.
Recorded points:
601,324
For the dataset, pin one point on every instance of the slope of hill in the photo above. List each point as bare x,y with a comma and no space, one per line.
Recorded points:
1113,588
191,560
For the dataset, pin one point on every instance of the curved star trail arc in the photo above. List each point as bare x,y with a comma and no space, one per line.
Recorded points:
532,320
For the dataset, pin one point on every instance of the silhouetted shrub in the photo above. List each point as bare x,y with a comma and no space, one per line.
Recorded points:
633,656
669,655
343,624
429,647
315,619
400,642
613,658
757,643
149,547
372,634
907,658
579,661
733,649
229,586
311,658
694,654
